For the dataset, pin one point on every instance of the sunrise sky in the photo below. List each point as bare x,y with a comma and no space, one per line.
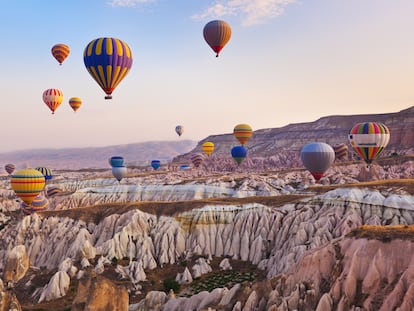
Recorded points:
287,62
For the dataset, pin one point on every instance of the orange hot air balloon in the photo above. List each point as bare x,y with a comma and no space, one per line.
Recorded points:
53,98
217,33
75,103
60,52
242,132
27,184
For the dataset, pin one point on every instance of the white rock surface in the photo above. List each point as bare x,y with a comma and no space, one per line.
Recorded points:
56,288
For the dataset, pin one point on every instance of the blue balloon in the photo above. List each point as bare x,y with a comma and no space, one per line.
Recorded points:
155,164
239,153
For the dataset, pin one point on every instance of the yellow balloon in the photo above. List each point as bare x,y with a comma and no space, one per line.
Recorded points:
242,132
27,184
208,147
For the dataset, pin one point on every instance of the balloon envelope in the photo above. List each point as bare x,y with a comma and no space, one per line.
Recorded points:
9,168
108,61
369,139
46,172
179,129
242,132
196,159
52,98
217,33
119,172
53,190
239,153
39,203
208,147
155,164
27,184
116,161
60,52
75,103
317,157
341,151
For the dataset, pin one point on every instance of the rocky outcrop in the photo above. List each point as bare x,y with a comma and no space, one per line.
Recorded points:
8,301
100,294
56,288
17,264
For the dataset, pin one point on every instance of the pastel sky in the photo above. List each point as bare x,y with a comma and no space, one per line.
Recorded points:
288,61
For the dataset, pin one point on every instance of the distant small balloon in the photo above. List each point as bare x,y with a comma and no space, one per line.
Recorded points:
27,184
40,203
341,151
208,147
239,153
155,164
242,132
60,52
317,157
52,98
196,159
75,103
217,33
116,161
179,129
9,168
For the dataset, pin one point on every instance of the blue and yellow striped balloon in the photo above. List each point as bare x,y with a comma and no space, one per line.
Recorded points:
108,60
27,184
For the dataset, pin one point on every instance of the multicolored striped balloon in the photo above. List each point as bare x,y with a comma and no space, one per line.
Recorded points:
27,184
341,151
47,172
60,52
369,139
39,203
242,132
75,103
53,190
208,147
196,159
52,98
217,33
108,60
9,168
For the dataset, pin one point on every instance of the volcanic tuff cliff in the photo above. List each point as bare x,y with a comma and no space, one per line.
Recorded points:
331,129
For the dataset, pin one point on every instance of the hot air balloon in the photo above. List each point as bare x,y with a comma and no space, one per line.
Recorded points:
369,139
341,151
108,60
242,132
239,153
9,168
196,159
46,172
317,157
60,52
27,184
39,203
179,129
184,167
119,172
53,190
52,98
155,164
75,103
116,161
217,33
208,147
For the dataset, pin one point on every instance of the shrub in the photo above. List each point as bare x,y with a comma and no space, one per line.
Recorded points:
171,283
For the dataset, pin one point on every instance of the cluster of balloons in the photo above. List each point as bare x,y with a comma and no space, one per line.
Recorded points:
119,169
242,132
367,138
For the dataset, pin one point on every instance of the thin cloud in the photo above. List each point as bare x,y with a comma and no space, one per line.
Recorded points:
251,11
129,3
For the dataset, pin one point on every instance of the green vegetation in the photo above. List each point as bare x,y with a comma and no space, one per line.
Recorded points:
171,283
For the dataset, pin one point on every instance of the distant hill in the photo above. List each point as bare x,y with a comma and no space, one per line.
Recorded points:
282,145
97,157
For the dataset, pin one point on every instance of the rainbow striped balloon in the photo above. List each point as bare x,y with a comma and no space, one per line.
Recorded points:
208,147
27,184
39,203
369,139
108,60
242,132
